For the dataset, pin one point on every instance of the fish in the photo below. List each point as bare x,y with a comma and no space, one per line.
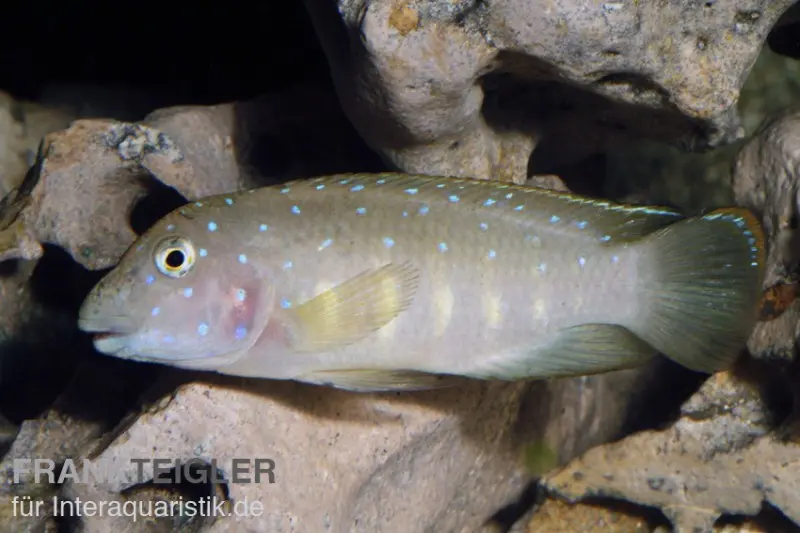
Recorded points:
402,282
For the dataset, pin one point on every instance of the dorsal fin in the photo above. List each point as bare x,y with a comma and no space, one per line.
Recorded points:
602,219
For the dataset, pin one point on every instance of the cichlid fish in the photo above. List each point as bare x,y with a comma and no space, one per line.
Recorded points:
393,281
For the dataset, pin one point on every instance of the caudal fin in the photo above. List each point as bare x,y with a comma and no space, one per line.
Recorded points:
702,294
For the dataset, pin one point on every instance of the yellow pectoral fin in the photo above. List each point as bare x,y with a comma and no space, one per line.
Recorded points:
352,310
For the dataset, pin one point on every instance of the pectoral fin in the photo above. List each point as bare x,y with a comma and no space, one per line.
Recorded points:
577,351
369,380
349,312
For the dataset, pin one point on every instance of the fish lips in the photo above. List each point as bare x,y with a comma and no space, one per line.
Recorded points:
109,334
109,342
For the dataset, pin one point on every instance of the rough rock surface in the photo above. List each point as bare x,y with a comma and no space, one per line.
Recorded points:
767,180
342,462
719,458
436,461
471,88
647,171
22,125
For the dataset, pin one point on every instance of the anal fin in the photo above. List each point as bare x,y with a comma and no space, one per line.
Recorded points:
576,351
378,380
352,310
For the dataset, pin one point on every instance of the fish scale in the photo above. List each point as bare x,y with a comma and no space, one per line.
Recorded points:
384,281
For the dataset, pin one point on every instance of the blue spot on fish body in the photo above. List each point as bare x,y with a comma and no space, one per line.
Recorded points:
492,254
381,181
155,311
169,339
203,252
283,191
443,247
581,224
171,227
605,238
344,181
150,279
286,304
484,226
287,265
325,244
212,226
202,329
295,210
229,201
519,207
411,191
241,332
361,211
241,294
454,198
388,242
554,219
356,188
489,202
263,227
320,186
199,204
187,292
405,214
509,196
582,261
440,186
242,259
423,210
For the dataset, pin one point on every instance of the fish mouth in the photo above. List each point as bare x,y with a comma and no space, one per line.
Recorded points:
106,325
109,334
110,342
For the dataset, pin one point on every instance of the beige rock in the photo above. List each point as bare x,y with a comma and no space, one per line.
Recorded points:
435,461
468,88
719,458
766,179
22,126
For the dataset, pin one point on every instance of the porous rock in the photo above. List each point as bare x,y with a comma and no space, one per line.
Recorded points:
719,458
22,125
470,88
433,461
766,179
99,169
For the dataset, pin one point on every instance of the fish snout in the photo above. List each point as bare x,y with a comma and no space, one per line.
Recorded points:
95,316
92,322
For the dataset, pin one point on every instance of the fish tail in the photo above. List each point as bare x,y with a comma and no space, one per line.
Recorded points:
702,290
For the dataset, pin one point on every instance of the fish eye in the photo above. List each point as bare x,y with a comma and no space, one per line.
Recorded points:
175,257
